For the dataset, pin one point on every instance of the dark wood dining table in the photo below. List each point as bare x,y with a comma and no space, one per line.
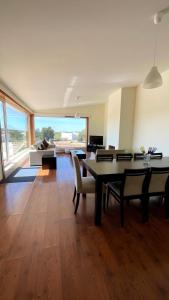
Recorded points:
106,171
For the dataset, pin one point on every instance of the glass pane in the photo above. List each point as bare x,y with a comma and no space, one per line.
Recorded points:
64,131
17,129
4,154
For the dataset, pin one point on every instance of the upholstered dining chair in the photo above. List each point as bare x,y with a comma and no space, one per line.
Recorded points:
124,156
158,155
111,147
159,185
132,186
83,185
104,155
138,156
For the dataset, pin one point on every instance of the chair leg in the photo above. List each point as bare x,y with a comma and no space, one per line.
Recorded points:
145,209
107,198
77,202
166,207
74,195
122,212
160,200
104,202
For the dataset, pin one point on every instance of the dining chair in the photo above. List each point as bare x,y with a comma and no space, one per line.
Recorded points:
132,186
83,185
138,156
159,185
156,155
124,156
111,147
104,155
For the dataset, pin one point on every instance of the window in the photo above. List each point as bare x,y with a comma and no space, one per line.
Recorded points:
17,130
64,131
14,131
3,136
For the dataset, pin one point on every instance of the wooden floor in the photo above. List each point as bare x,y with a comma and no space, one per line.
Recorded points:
48,253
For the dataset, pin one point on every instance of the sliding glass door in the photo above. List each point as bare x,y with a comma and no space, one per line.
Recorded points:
3,133
14,131
17,130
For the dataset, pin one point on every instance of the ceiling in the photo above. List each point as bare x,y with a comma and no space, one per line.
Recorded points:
54,51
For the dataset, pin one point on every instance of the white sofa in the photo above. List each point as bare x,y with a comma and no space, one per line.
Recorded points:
35,155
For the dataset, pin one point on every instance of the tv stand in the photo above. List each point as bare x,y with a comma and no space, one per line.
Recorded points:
93,147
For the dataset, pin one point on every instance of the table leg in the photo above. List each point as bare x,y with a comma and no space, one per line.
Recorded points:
98,202
166,205
84,174
84,171
145,209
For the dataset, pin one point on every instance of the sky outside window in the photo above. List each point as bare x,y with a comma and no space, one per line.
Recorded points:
16,120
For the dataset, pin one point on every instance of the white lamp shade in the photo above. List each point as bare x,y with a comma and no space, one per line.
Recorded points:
153,79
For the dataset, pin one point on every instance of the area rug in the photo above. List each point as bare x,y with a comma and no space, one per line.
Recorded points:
22,175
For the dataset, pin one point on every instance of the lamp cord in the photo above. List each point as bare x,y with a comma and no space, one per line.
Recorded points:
155,49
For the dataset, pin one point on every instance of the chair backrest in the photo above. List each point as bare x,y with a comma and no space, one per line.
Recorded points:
138,156
124,156
77,172
102,155
92,156
113,151
134,182
111,147
156,155
158,181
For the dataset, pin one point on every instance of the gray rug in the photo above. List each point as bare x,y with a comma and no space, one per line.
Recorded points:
22,175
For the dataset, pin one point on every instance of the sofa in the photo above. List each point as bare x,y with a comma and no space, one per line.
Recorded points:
35,153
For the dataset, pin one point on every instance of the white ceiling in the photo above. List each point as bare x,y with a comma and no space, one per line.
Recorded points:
53,51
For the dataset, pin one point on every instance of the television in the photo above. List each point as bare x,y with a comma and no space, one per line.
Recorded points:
96,140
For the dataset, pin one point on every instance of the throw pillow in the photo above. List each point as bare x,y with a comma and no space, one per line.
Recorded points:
45,143
41,147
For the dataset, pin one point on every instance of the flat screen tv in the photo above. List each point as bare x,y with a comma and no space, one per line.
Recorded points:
96,140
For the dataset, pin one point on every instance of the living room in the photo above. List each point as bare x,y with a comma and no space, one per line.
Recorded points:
83,110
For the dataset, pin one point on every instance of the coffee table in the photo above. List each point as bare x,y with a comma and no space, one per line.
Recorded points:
80,153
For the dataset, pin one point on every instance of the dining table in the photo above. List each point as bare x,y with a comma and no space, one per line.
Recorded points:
107,171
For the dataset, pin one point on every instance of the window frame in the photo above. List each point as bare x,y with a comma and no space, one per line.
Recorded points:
63,116
5,99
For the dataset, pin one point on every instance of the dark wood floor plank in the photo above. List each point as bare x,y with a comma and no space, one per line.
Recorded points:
9,276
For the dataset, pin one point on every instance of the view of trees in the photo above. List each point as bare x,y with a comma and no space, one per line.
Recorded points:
49,133
45,132
81,136
57,136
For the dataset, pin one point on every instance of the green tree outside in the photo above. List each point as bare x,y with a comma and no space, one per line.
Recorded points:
47,133
57,136
38,134
81,136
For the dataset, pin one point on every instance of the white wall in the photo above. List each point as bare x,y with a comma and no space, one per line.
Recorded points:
112,119
96,114
127,118
119,116
151,121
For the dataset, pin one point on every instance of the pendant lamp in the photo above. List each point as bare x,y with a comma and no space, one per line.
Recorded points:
153,78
